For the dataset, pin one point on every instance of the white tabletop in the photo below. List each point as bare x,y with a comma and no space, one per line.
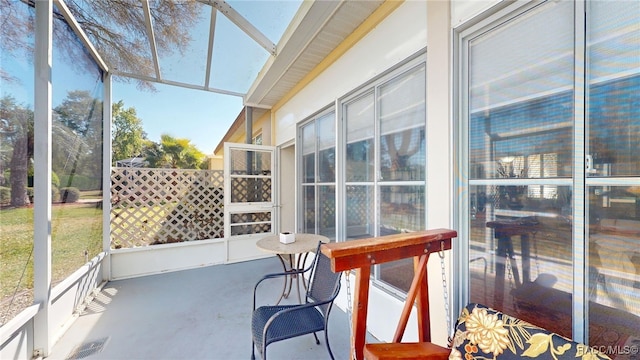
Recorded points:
304,243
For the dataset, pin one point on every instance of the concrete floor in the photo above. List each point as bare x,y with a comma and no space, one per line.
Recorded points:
202,313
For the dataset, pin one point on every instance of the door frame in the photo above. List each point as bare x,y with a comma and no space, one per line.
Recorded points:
243,247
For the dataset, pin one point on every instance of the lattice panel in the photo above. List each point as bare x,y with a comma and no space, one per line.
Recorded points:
359,203
157,206
250,190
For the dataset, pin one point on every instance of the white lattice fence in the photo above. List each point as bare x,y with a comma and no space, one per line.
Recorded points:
157,206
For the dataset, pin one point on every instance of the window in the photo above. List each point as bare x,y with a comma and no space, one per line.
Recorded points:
547,140
379,165
384,126
257,140
318,139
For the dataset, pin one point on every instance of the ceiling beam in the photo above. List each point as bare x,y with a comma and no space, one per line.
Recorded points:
177,83
212,31
243,24
71,20
152,37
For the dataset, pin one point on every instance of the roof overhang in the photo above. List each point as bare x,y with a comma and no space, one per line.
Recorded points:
318,28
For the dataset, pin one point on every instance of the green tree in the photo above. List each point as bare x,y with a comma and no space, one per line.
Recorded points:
174,153
127,136
78,127
16,129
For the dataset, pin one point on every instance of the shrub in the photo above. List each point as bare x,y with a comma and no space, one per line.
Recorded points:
55,181
82,182
30,193
5,195
69,194
55,194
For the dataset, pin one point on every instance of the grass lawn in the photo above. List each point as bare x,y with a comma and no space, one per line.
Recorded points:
76,236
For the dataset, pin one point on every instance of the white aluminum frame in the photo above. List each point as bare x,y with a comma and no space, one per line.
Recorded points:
579,183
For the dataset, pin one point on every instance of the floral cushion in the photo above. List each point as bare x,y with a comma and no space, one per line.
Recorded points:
484,333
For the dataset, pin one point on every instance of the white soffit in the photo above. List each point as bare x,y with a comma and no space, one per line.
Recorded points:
316,30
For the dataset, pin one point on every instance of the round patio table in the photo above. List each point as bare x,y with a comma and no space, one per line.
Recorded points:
292,256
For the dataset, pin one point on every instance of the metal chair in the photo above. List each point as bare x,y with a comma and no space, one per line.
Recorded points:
280,322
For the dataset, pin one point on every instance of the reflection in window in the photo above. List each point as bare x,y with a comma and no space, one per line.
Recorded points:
614,88
16,159
402,119
614,264
360,214
520,128
317,140
360,127
521,255
250,162
613,125
77,159
385,195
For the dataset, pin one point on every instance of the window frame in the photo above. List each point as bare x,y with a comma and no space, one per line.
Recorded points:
403,68
579,181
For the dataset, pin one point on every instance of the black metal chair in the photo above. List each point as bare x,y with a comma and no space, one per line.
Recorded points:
280,322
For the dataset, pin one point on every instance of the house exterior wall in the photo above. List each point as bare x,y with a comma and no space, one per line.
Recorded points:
409,29
401,35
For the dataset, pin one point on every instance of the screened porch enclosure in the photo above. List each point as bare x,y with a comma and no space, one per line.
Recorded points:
515,123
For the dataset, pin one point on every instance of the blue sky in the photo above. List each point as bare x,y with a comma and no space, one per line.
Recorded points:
200,116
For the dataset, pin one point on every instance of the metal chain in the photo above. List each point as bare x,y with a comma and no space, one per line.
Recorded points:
350,311
510,278
535,254
445,291
507,261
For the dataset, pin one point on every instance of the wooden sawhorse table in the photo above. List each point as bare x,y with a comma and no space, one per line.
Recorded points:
360,255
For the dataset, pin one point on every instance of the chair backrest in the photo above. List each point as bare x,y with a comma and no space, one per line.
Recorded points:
324,284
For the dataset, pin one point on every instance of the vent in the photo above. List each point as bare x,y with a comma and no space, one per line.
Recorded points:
88,349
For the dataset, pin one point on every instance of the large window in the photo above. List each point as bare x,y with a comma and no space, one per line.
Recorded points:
384,126
546,140
379,166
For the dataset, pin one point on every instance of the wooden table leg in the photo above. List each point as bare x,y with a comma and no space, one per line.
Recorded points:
359,316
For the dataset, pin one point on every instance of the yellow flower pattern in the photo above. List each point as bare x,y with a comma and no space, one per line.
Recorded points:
487,331
483,333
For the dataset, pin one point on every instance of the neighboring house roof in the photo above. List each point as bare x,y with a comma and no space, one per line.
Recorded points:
239,122
137,162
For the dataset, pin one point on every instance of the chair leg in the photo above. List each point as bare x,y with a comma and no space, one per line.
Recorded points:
253,351
317,340
326,340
